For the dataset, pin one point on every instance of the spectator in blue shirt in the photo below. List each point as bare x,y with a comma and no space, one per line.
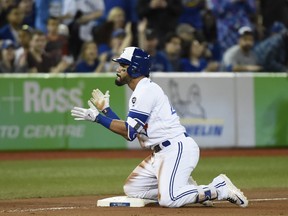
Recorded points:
159,62
172,51
196,62
10,30
89,59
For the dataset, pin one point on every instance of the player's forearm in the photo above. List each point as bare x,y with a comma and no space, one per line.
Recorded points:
115,125
119,127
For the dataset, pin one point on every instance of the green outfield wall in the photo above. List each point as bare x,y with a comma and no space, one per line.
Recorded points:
271,110
35,112
218,110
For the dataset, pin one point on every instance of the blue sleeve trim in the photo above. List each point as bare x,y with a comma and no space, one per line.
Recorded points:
140,112
141,117
108,112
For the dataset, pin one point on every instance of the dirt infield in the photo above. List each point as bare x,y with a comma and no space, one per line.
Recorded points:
261,201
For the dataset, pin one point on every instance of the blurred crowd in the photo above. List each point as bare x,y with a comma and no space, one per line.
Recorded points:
58,36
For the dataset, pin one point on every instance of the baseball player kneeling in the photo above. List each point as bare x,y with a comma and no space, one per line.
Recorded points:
165,174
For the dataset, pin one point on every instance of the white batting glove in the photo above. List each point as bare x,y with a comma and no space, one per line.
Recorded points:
100,100
81,114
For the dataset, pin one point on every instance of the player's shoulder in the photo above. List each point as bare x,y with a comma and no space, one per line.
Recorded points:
148,88
152,87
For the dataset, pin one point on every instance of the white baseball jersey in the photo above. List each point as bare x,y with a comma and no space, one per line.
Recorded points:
149,105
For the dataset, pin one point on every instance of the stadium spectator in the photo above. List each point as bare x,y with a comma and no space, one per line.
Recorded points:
272,53
38,61
86,14
162,15
4,7
149,41
102,33
46,9
7,63
210,35
25,35
240,57
172,51
10,30
276,28
196,61
230,16
89,61
28,9
90,11
57,44
187,34
119,40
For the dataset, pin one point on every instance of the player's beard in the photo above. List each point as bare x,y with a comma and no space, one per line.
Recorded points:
120,81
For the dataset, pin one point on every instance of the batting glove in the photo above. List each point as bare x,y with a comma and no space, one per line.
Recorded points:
81,114
100,100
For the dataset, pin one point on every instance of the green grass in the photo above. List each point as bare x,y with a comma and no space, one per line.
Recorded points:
74,177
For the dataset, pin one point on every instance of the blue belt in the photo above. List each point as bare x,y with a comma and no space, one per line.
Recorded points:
164,144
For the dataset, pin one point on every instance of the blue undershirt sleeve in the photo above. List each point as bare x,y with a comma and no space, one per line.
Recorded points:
108,112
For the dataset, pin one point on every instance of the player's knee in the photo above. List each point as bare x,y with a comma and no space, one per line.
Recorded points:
167,202
128,190
131,191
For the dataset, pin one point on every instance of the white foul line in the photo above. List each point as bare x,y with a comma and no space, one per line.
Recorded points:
268,199
74,207
42,209
261,200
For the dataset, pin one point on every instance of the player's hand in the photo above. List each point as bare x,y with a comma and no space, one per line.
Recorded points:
80,114
100,100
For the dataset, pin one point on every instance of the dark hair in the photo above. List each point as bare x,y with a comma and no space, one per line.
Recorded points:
170,36
38,32
246,33
84,47
53,18
10,9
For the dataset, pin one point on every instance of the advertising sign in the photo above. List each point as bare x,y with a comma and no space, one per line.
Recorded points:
205,105
35,112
